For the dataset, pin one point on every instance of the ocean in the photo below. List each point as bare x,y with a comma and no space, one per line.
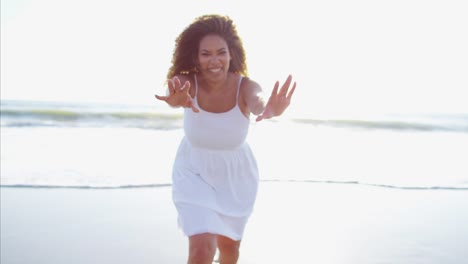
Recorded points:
99,145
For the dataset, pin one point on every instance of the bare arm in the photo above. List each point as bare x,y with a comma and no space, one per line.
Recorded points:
254,97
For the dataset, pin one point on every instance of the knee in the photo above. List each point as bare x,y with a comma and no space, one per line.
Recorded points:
201,254
228,247
202,249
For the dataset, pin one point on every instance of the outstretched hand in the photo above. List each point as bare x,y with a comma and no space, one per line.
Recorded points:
278,101
178,95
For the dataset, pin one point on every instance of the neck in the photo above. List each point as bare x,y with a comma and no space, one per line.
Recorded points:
215,85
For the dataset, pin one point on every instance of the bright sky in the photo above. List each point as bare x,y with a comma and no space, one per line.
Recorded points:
347,56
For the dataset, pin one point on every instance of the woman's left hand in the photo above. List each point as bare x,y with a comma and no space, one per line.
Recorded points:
278,101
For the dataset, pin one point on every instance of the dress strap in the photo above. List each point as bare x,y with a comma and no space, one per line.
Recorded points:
196,85
238,90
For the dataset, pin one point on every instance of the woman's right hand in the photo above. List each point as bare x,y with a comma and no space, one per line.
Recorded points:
178,95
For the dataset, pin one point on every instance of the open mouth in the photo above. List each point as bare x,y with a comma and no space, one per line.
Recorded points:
215,70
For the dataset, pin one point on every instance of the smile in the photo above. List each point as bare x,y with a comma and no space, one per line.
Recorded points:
215,70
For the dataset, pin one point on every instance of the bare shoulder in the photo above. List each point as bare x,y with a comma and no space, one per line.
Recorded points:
251,97
250,87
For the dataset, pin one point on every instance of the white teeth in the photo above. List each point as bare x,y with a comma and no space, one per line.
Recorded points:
215,70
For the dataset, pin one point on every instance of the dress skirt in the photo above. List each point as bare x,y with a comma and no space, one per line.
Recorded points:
214,191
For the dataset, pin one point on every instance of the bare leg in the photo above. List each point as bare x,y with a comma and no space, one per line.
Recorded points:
202,248
228,250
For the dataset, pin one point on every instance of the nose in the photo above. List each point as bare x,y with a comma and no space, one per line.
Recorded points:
215,60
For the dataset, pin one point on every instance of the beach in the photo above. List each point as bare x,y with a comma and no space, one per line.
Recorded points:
293,222
368,165
86,183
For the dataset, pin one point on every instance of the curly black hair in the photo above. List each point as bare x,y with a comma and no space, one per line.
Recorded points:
185,55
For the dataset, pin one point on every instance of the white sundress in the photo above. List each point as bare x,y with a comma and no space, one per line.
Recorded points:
215,174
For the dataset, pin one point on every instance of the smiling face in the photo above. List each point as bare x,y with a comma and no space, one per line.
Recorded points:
214,57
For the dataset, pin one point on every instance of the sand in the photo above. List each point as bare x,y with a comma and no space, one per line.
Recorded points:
293,222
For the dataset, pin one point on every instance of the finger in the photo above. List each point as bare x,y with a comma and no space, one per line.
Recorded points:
285,87
291,91
275,89
186,86
192,105
170,84
265,115
162,98
195,109
176,83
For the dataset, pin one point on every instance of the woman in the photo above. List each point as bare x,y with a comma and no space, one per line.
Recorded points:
215,175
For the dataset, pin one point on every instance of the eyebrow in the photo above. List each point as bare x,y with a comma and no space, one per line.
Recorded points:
221,49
